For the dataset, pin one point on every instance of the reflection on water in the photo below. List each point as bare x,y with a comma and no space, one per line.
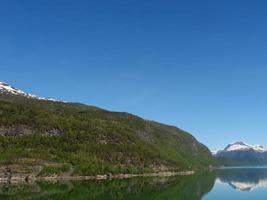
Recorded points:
244,179
175,188
239,184
212,185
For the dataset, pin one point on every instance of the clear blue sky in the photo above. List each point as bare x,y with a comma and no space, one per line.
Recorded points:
198,65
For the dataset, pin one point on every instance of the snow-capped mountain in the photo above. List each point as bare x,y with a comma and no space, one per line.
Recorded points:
241,146
6,89
241,153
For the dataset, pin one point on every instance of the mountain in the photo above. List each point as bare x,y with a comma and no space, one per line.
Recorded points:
47,137
9,90
240,154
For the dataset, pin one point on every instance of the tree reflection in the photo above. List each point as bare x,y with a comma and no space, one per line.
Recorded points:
173,188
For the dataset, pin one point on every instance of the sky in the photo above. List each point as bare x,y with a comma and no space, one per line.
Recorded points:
197,65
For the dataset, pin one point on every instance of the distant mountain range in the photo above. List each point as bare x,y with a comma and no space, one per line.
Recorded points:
240,154
75,139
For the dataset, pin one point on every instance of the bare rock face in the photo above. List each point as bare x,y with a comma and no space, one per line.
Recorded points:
17,130
14,173
5,174
52,132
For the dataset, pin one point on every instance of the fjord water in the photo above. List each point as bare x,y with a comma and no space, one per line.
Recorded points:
239,183
224,184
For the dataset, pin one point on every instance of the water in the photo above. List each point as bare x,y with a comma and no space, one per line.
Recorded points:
239,183
223,184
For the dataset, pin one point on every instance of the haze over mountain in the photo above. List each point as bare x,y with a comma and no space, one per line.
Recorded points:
58,137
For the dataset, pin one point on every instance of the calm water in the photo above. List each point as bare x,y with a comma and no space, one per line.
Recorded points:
224,184
239,183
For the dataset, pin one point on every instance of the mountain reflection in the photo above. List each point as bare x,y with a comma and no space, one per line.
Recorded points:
244,179
174,188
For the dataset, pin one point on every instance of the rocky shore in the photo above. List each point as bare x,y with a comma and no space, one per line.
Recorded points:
22,178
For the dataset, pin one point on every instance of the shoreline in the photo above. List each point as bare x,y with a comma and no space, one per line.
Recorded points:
242,167
97,177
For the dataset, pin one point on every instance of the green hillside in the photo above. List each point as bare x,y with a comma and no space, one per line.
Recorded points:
84,140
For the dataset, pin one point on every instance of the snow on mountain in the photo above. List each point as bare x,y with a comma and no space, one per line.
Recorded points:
214,152
241,146
8,89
